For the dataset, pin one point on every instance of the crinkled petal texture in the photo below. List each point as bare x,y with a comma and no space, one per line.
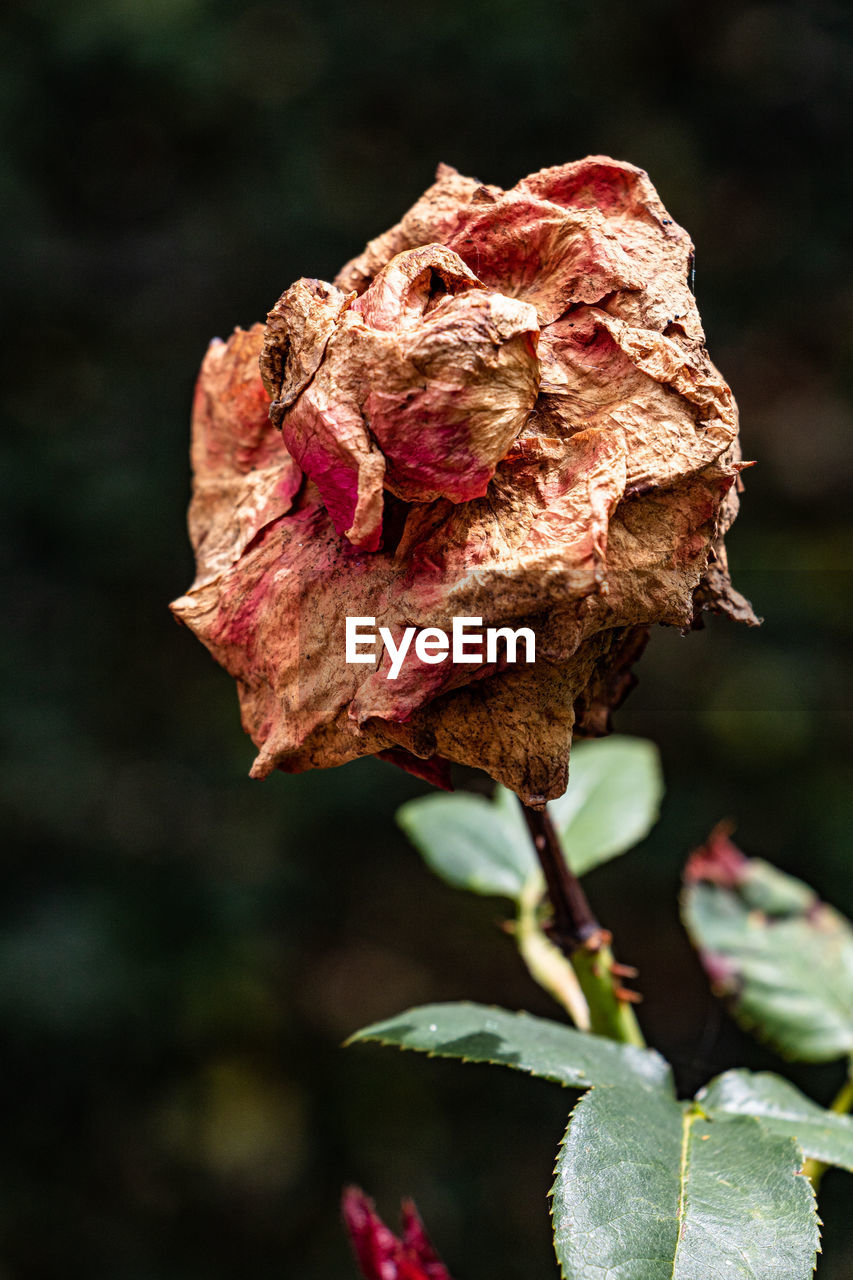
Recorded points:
504,410
419,386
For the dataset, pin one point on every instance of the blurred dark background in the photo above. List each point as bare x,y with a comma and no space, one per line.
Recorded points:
182,951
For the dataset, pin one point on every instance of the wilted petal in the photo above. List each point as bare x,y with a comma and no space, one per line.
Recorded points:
297,331
675,410
320,418
550,257
661,252
451,374
411,284
455,393
243,477
435,771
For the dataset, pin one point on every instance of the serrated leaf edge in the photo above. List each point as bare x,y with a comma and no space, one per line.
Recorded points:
585,1084
632,1083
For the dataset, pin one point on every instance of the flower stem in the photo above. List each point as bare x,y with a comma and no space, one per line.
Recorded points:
611,1010
580,937
843,1105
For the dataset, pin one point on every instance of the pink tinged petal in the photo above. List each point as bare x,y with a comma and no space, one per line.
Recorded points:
454,381
538,537
578,483
231,430
427,365
244,478
451,374
672,364
613,187
550,257
425,436
330,442
676,412
416,684
458,394
323,430
660,250
412,283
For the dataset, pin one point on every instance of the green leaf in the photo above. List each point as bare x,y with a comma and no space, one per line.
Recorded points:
782,957
649,1189
781,1109
612,802
471,842
477,1033
484,846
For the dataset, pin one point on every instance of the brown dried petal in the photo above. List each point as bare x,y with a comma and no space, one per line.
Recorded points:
298,328
243,476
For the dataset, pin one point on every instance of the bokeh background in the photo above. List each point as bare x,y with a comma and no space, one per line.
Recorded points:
182,951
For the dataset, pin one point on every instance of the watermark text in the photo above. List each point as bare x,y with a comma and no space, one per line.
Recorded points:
467,643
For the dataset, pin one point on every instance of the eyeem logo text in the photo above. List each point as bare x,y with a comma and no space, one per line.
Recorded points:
465,644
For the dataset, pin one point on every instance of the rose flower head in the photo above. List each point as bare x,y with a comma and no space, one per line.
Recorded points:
502,411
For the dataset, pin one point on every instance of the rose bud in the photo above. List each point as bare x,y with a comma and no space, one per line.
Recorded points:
503,410
380,1254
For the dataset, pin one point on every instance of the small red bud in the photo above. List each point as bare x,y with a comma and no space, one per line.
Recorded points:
380,1254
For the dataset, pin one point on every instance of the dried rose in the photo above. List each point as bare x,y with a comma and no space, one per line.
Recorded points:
380,1254
503,410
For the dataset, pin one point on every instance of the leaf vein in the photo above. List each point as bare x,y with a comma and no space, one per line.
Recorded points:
687,1124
